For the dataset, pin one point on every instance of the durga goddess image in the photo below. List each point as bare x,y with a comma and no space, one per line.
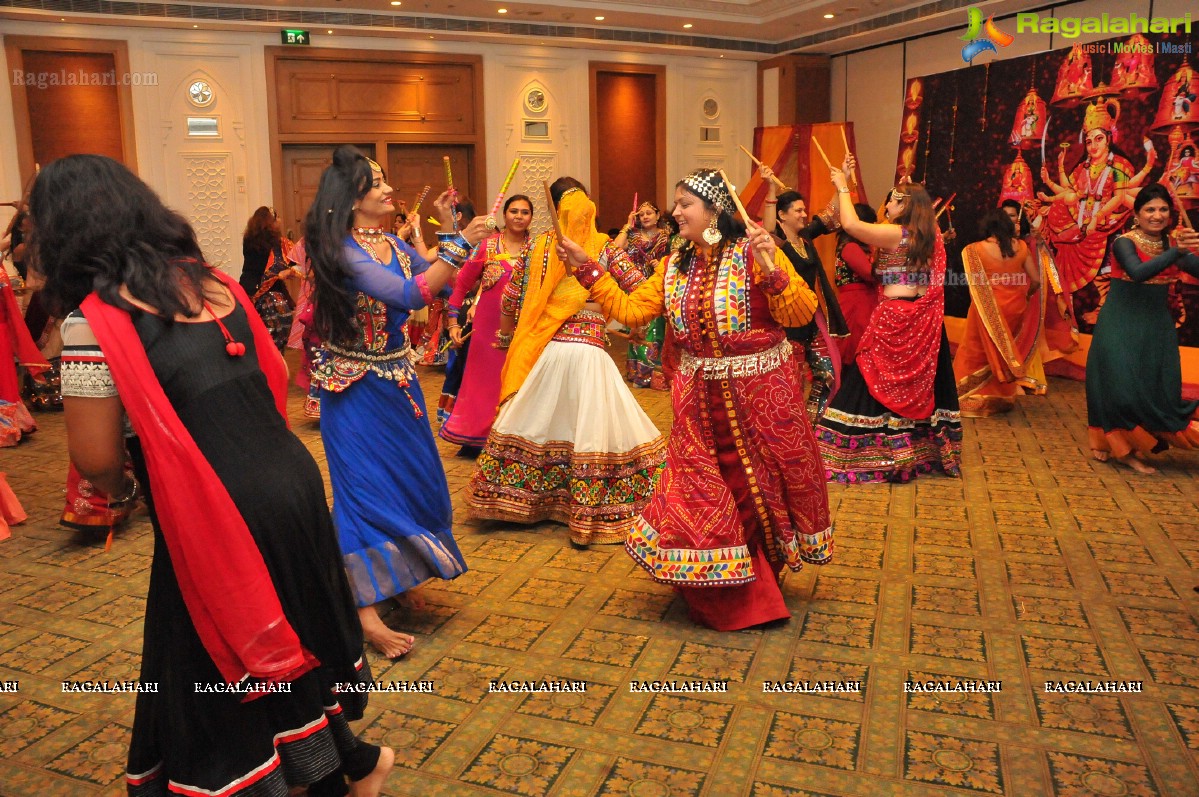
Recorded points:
1090,203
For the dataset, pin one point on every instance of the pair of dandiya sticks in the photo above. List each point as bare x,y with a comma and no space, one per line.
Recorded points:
449,182
819,149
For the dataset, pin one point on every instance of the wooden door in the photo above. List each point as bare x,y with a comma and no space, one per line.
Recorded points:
628,139
302,168
410,167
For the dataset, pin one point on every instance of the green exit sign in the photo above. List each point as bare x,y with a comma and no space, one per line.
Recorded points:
295,36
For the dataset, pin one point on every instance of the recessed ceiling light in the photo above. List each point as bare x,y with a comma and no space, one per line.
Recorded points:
501,11
195,26
396,3
329,32
687,26
599,19
829,16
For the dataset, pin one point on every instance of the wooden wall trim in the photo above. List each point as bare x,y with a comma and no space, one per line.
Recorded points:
118,49
397,135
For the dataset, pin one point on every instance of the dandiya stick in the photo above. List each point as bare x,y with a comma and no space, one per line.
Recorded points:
499,198
416,208
945,205
636,200
773,177
445,346
1182,211
553,209
736,199
449,186
820,149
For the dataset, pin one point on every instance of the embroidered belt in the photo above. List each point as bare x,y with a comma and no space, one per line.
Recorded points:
585,326
335,368
738,365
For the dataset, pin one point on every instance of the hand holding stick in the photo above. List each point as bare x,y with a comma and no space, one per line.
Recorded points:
760,165
848,154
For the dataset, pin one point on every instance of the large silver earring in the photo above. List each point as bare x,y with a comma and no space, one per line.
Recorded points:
711,233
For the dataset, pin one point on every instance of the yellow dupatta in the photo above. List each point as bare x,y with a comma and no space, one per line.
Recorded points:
552,294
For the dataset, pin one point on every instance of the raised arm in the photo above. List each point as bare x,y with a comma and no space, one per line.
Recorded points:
645,303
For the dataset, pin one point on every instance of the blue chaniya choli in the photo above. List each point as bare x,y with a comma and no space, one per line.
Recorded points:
391,503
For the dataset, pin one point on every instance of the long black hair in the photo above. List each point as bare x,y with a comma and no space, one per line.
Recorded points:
731,228
96,227
326,226
999,224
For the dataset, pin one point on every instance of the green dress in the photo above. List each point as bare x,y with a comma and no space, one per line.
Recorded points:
1134,375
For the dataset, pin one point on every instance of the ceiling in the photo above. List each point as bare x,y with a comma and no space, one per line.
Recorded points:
746,29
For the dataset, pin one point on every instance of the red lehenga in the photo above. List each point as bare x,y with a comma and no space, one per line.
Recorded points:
743,492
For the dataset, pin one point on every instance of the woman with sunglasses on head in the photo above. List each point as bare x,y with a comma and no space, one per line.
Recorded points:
1134,374
391,503
251,641
896,414
743,492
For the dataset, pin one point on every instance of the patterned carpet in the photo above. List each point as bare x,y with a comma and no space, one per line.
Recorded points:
1039,565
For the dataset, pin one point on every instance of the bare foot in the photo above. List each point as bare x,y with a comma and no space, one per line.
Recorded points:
372,784
391,644
1136,464
1100,456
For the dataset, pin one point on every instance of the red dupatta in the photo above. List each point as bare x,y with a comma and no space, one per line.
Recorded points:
898,352
224,581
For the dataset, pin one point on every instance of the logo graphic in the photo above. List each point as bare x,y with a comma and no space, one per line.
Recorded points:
977,45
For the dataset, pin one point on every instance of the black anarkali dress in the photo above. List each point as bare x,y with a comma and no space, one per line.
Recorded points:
190,740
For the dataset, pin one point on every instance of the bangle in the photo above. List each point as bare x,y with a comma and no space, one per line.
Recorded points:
502,341
842,190
771,202
452,248
131,495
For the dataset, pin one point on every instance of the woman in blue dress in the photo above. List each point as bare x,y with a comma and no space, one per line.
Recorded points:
391,503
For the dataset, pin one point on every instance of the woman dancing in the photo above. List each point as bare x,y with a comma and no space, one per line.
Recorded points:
489,269
391,504
896,415
743,493
1134,375
250,632
646,236
570,443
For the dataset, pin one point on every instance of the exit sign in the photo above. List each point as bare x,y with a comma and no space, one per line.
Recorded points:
295,36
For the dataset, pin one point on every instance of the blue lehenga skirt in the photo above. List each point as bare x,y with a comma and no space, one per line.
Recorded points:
391,503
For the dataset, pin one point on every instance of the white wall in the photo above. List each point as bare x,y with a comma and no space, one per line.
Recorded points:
219,182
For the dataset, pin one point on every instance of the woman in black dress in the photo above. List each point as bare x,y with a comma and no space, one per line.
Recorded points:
251,637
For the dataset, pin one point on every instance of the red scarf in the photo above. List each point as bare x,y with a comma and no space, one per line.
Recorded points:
225,584
898,351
